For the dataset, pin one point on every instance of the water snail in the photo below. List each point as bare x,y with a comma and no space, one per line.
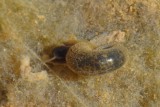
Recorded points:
86,58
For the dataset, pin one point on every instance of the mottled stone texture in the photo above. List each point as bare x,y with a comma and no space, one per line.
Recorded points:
29,29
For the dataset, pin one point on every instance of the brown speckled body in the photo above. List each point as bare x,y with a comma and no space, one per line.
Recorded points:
84,59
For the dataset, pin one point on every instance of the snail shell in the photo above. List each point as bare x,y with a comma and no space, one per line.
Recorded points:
84,59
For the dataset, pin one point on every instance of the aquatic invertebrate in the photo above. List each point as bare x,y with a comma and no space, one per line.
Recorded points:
86,58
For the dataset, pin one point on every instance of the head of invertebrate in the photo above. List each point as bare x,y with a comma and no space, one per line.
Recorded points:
59,53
